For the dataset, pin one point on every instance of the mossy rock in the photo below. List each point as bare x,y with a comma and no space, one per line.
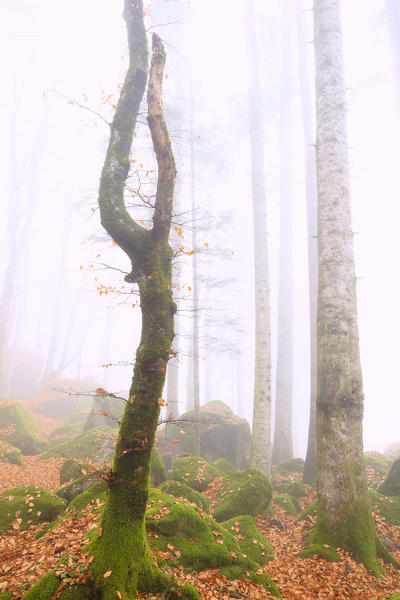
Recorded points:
6,596
48,585
320,551
71,469
292,465
288,503
74,488
106,411
94,493
386,507
194,471
188,537
157,469
381,463
294,488
310,510
42,504
66,433
18,429
243,493
391,485
180,490
223,466
10,454
222,434
96,445
251,542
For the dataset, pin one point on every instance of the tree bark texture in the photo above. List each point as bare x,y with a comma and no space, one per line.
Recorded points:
283,435
260,453
308,114
122,547
344,510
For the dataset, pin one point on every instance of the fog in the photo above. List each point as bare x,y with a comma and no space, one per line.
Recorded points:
62,64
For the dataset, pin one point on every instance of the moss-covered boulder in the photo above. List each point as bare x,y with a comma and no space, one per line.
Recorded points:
222,434
223,466
106,410
294,488
194,471
179,533
10,454
18,429
292,465
96,446
95,494
288,503
157,469
251,542
243,493
380,463
387,507
66,433
391,485
320,551
180,490
70,490
22,506
71,469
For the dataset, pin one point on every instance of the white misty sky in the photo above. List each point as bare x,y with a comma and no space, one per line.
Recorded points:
75,48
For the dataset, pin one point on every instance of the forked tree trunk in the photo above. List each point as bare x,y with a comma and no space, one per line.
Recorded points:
260,452
283,436
122,548
308,112
344,509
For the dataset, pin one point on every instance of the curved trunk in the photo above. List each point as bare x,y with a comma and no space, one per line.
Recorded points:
344,510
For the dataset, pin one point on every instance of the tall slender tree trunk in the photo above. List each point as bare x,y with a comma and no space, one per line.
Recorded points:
283,435
195,290
260,453
308,114
344,510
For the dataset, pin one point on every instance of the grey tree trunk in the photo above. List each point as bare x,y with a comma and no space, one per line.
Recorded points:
260,453
308,114
344,510
283,435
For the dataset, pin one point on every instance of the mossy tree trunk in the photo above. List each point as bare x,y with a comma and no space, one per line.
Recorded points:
344,510
260,452
122,548
308,112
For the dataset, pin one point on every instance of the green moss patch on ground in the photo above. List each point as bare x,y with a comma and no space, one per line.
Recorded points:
292,465
157,469
380,463
387,507
96,445
250,541
288,503
18,429
66,433
22,506
194,471
391,485
10,454
320,551
243,493
180,490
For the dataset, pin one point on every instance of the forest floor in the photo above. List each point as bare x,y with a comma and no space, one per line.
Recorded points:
25,559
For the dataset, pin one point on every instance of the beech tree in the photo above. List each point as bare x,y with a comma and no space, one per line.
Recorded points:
121,552
308,117
344,510
260,453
